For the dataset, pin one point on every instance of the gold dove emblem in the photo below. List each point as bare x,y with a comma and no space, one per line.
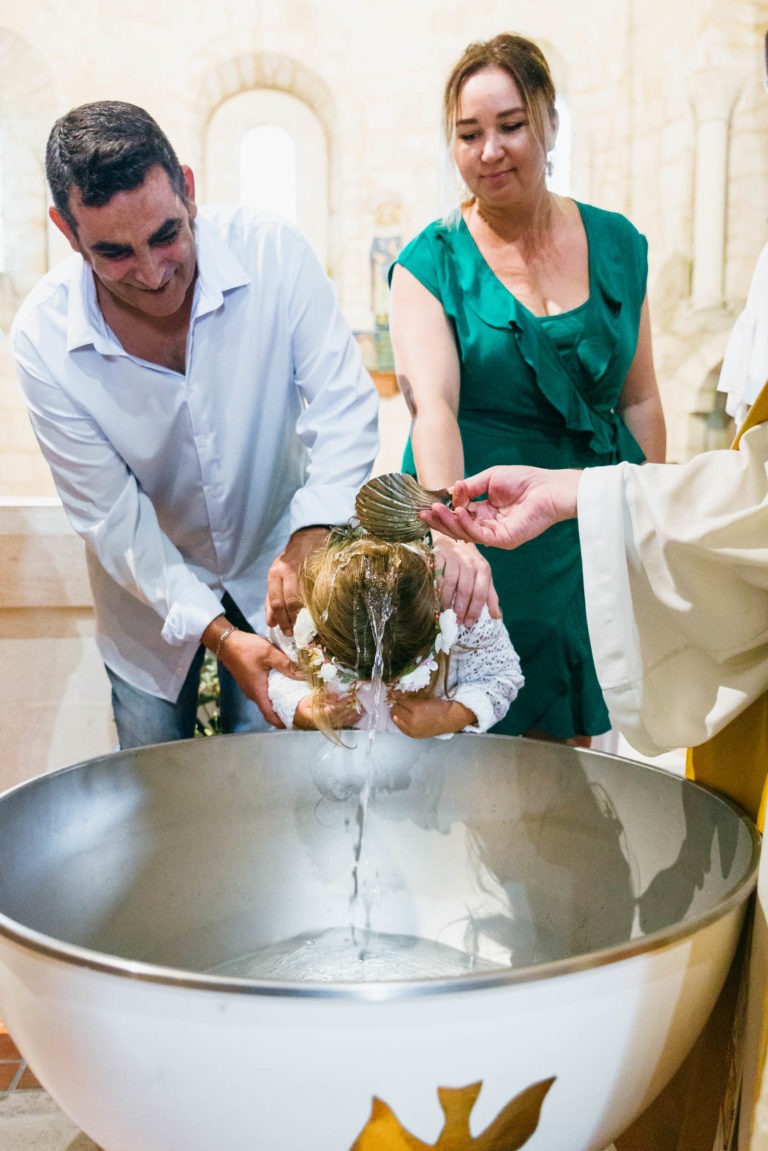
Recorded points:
511,1128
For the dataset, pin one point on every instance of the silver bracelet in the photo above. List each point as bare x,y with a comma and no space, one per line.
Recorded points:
224,636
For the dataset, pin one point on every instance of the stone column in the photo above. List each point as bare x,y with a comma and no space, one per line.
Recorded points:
713,93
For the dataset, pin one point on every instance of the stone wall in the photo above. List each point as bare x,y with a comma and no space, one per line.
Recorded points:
638,90
55,708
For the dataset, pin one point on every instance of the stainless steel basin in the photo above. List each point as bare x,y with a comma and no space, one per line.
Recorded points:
579,914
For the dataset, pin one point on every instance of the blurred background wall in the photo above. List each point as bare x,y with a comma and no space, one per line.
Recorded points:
664,111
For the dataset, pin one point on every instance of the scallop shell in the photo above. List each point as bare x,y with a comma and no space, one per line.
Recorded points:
387,506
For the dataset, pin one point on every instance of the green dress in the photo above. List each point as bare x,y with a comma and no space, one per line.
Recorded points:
542,391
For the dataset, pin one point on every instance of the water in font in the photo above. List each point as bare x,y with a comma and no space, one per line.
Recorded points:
347,955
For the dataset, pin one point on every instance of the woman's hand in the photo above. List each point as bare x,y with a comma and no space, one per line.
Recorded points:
425,718
464,579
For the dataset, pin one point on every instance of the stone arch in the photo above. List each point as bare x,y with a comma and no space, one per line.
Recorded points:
26,115
259,70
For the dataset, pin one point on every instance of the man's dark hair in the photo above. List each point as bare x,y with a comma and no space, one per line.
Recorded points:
104,148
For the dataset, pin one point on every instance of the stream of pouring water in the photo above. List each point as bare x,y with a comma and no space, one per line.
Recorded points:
379,605
359,953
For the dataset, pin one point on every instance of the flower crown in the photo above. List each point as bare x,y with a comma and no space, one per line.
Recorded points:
337,678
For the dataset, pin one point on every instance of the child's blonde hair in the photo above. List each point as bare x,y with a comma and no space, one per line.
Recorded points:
368,596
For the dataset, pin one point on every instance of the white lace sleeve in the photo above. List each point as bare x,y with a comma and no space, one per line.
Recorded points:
484,672
285,693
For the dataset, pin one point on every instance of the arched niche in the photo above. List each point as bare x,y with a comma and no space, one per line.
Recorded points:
228,127
275,89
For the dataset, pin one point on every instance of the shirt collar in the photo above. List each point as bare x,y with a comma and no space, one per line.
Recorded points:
218,272
85,323
218,269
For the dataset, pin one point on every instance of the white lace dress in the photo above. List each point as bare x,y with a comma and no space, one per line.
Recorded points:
484,675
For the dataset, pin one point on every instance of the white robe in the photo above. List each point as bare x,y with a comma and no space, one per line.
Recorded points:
676,584
745,364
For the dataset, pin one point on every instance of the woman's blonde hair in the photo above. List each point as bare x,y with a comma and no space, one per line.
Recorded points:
371,601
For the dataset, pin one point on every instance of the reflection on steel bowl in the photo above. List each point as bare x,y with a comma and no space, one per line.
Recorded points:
272,941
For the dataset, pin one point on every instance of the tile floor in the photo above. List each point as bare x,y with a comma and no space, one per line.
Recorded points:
29,1119
15,1075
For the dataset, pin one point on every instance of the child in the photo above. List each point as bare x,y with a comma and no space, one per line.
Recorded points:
377,652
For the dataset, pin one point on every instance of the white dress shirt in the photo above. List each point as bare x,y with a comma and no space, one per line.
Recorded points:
184,486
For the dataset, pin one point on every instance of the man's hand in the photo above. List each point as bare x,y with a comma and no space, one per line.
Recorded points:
464,579
283,601
521,503
424,718
249,658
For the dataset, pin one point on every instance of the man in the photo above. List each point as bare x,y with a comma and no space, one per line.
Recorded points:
204,411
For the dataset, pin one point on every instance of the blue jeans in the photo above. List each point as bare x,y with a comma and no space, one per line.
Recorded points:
142,718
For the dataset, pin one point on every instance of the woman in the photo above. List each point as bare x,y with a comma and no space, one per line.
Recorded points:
521,335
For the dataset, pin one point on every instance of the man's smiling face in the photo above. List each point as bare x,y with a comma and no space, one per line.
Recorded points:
140,244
